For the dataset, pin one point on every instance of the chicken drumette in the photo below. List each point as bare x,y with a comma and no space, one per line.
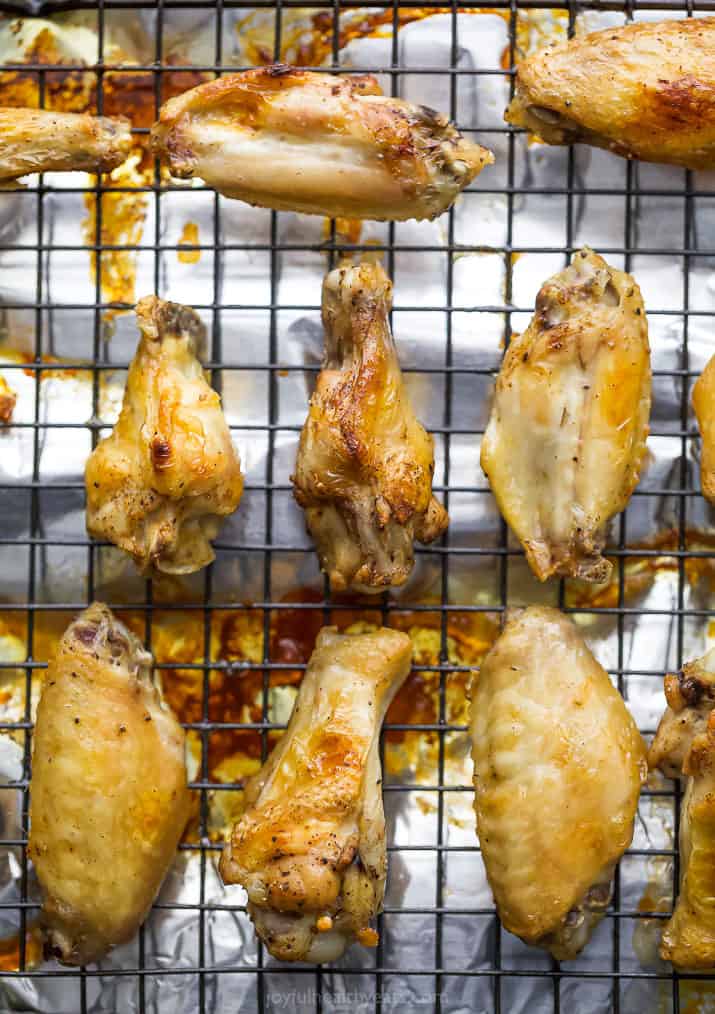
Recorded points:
310,848
109,798
645,90
684,747
704,405
365,464
568,427
159,485
299,141
558,766
40,140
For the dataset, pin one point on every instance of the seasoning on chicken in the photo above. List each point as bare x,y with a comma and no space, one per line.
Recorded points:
684,747
365,464
310,847
558,766
704,405
297,140
40,140
109,799
567,433
160,484
646,90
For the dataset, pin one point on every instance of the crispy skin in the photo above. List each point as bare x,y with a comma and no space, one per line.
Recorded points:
109,795
568,427
300,141
365,464
645,91
310,848
704,405
158,486
558,766
684,746
39,140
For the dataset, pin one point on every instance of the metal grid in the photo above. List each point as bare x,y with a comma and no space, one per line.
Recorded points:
437,976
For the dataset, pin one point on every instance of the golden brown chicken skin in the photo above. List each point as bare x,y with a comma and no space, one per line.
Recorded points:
684,747
568,427
109,799
645,91
40,140
160,484
558,767
365,464
310,847
704,405
301,141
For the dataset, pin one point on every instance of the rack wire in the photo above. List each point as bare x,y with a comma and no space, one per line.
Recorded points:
440,980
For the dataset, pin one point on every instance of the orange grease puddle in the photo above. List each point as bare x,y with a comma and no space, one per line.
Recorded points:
189,238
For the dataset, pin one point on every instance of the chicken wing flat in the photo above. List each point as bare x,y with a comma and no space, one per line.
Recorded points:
109,794
365,464
569,422
558,766
324,145
704,405
684,747
39,140
645,91
159,485
310,847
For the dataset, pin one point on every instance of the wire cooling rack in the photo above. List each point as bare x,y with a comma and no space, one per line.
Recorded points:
440,984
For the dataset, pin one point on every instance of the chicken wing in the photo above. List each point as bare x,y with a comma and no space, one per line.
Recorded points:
558,766
160,483
704,405
568,427
365,464
645,90
109,795
684,746
39,140
310,847
324,145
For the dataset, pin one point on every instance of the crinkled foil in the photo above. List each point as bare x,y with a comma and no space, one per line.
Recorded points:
198,943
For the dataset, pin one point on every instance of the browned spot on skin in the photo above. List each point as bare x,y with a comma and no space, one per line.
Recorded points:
678,103
160,454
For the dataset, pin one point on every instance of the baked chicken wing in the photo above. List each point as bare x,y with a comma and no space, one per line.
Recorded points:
324,145
365,464
310,847
704,405
558,766
39,140
645,90
109,799
159,485
684,746
568,426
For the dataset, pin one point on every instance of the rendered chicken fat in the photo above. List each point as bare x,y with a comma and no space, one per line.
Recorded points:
109,799
310,847
684,747
558,766
645,90
159,485
316,143
567,432
364,466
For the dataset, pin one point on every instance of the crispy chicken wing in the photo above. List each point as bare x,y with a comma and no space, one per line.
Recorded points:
704,405
568,427
159,485
109,795
365,464
324,145
310,847
558,766
645,90
39,140
684,746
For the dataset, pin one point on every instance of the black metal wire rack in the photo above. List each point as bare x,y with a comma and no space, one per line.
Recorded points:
441,985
